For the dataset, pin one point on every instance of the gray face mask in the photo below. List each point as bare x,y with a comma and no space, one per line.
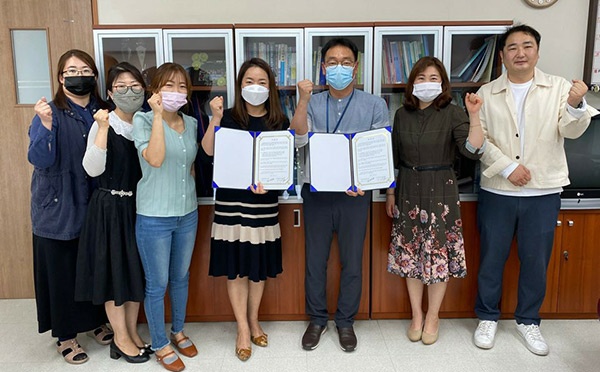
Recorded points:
129,101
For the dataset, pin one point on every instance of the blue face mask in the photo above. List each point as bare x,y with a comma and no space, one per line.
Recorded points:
339,77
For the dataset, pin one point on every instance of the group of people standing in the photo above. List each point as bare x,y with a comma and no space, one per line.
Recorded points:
114,207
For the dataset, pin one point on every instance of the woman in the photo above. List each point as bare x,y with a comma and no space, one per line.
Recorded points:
245,238
427,246
60,191
167,216
109,271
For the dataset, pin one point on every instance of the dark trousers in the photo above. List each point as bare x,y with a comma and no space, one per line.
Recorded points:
533,220
324,214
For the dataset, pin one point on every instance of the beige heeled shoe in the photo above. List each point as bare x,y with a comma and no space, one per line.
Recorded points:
415,334
428,338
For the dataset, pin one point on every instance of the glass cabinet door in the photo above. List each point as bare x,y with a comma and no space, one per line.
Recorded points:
282,50
207,55
141,47
315,39
397,49
471,54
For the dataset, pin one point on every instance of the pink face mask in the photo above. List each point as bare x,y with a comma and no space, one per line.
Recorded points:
173,101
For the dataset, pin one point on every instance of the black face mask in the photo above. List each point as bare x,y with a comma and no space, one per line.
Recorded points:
80,85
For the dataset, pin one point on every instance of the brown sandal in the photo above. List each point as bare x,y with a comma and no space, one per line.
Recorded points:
185,346
175,366
71,351
103,335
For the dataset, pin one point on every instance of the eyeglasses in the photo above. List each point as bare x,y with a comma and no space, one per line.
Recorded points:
335,63
86,71
122,89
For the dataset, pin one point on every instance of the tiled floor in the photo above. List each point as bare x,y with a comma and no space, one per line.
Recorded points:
383,346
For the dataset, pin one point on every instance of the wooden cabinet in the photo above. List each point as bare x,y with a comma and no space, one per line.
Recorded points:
389,297
573,283
283,298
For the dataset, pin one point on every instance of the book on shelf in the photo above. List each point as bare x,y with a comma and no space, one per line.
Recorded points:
475,65
484,71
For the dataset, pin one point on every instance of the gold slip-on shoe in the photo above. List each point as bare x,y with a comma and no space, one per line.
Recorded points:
428,338
243,354
261,340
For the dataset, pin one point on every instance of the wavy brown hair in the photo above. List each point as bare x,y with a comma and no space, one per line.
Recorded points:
60,98
411,103
275,116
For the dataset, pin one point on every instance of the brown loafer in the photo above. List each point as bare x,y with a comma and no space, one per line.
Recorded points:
243,354
262,340
185,346
175,365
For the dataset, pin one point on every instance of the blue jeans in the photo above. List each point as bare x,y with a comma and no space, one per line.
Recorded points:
166,245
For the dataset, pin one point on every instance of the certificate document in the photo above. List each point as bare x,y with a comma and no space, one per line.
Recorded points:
243,158
340,162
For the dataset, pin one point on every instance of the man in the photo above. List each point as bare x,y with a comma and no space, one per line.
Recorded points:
342,109
526,115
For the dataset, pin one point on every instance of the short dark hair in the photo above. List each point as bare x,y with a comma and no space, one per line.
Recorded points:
275,116
340,41
411,103
118,69
519,28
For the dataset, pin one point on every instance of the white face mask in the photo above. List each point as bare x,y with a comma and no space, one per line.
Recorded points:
255,94
427,92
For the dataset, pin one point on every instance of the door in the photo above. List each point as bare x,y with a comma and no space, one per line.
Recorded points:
69,25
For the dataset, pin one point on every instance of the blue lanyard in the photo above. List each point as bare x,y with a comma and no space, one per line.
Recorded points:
341,117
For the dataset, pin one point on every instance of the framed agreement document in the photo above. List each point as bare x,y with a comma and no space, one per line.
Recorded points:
340,162
243,158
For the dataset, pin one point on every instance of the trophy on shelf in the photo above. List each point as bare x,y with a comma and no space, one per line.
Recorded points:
125,50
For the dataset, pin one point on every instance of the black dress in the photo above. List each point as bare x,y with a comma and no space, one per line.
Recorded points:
246,238
108,263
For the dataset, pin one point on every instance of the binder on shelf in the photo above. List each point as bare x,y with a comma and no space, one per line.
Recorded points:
461,73
243,158
348,162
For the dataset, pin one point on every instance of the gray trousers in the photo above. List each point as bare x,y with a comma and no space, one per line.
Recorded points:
324,214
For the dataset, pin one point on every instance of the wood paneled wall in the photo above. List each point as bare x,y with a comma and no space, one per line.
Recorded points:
69,25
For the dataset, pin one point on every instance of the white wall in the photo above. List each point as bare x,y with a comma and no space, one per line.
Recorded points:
563,26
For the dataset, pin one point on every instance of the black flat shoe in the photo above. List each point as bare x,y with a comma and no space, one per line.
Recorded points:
116,353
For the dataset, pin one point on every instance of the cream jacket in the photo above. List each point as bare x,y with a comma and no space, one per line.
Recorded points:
547,124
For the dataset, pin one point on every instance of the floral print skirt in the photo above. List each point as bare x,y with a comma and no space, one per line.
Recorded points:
427,244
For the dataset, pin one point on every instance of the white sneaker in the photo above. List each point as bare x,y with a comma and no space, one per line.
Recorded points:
533,339
485,334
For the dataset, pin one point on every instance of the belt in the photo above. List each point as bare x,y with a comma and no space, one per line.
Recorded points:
120,193
420,168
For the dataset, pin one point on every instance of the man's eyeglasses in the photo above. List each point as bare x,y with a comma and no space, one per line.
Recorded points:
344,64
122,89
74,72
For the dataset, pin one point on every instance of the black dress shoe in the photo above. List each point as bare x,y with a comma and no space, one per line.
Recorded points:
116,353
312,336
347,338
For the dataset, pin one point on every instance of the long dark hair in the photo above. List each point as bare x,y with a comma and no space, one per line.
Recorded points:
411,103
275,116
118,69
60,98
